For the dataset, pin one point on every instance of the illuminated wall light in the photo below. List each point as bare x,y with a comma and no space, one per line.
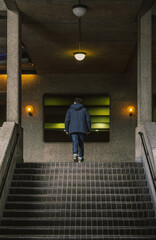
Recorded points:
131,110
29,110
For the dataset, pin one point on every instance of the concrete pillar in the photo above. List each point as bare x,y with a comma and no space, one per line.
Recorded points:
13,65
144,78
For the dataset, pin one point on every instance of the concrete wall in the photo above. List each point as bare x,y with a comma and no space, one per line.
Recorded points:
122,91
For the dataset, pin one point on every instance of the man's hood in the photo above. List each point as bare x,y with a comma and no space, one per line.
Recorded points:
77,106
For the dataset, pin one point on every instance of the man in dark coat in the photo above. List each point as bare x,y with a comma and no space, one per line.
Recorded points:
77,125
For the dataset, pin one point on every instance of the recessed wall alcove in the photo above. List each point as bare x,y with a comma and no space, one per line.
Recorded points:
56,106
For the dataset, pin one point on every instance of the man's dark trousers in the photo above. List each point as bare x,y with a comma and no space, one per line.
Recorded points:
78,143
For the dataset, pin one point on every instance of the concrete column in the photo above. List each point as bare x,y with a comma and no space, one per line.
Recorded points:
144,78
13,65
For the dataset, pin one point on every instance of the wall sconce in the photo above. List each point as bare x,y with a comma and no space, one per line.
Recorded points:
131,110
29,110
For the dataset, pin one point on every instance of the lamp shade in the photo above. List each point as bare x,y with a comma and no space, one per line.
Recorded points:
79,10
79,55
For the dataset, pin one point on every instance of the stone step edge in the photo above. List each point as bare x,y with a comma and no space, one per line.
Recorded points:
73,180
81,195
86,163
84,168
77,237
88,210
78,173
81,202
50,188
73,227
79,218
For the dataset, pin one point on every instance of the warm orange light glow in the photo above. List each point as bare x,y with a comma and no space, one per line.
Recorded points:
3,82
131,110
29,110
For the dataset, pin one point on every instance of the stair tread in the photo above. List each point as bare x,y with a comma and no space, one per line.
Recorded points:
85,237
76,180
45,202
44,172
82,210
78,218
94,194
84,163
91,187
28,236
73,227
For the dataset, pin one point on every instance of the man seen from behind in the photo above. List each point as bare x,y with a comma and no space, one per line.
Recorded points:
77,125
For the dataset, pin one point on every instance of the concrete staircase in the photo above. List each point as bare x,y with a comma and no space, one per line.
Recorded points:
78,201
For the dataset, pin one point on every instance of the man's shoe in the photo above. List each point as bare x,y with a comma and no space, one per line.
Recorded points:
75,158
81,159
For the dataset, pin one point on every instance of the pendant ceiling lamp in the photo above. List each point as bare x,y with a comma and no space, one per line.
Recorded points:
79,55
79,11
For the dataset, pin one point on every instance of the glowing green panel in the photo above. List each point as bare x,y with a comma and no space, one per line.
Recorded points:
99,111
57,101
100,126
102,119
100,100
100,130
54,125
58,126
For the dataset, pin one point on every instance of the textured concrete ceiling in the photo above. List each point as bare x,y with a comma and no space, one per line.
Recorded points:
50,35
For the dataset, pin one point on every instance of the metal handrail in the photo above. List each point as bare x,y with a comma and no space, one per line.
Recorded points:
8,164
151,168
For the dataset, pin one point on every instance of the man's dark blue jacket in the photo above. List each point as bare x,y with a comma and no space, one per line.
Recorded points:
77,119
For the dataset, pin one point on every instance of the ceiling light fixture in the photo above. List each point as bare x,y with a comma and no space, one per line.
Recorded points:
79,10
79,55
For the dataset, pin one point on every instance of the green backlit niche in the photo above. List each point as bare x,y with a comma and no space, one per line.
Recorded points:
56,106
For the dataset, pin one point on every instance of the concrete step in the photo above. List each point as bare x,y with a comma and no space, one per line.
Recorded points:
82,237
84,164
82,190
125,213
79,230
70,183
80,197
77,205
77,170
79,221
80,176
